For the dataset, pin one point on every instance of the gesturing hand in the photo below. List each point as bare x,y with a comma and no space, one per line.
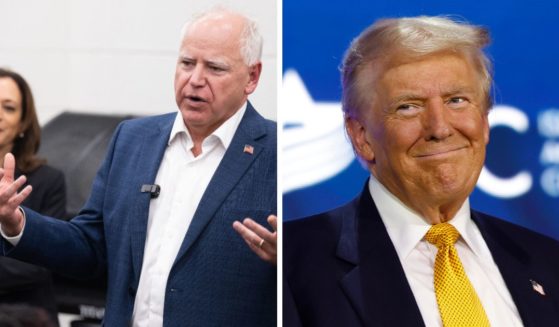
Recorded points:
259,239
11,218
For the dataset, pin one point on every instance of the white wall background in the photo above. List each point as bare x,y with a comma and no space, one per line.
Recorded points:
114,56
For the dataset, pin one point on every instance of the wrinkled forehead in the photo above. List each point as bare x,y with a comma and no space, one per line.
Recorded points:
373,69
377,65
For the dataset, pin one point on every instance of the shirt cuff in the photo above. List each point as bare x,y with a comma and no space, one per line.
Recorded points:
14,240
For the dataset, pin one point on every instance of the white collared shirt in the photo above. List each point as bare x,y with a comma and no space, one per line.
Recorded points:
417,256
183,179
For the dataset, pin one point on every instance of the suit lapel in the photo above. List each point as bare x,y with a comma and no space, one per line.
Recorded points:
377,287
231,169
153,143
379,291
516,269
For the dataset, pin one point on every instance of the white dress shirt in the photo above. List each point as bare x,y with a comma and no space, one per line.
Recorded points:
417,256
183,179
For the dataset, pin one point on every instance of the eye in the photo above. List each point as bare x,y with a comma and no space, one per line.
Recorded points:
187,63
9,108
457,102
217,69
408,109
406,106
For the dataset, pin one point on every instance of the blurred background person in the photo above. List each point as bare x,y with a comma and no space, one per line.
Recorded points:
20,134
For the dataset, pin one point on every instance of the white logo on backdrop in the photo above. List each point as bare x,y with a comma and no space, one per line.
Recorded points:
521,182
548,126
315,146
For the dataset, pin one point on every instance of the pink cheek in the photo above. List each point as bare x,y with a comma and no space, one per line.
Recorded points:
471,128
402,140
180,87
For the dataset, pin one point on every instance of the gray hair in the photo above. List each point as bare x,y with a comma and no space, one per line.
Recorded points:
251,40
410,38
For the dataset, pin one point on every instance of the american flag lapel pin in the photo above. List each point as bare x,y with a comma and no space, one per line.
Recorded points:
537,287
248,149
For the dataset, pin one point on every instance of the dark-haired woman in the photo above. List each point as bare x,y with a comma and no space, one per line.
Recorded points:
20,134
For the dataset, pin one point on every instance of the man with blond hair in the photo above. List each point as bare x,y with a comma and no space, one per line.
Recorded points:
409,251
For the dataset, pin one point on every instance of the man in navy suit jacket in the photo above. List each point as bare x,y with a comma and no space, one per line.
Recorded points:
416,95
161,217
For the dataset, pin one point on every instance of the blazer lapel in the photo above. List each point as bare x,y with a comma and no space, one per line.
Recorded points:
377,286
515,266
153,144
231,169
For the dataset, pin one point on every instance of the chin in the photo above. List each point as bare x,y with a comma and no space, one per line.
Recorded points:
455,189
194,118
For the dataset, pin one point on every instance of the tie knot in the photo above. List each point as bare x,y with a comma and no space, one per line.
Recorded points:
443,234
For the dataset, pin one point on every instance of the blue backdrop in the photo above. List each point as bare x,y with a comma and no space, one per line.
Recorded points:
520,181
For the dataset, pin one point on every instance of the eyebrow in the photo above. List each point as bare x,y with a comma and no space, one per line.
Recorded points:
217,63
409,96
214,62
459,89
406,97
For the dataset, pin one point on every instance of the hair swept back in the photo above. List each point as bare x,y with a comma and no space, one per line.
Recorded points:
410,38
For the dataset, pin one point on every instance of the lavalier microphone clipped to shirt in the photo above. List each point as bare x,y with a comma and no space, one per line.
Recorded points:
152,189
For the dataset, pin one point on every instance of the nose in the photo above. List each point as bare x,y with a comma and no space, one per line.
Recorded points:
436,121
197,77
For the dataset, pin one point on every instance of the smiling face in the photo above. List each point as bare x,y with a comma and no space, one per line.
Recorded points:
424,134
212,80
10,113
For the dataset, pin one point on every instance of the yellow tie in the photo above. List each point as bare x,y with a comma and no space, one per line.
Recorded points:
458,302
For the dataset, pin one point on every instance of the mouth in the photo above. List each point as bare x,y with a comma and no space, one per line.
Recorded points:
195,99
436,153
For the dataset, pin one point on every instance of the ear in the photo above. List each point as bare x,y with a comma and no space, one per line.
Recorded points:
253,77
358,135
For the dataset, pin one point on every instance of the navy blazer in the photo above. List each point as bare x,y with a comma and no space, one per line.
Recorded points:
216,280
341,269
